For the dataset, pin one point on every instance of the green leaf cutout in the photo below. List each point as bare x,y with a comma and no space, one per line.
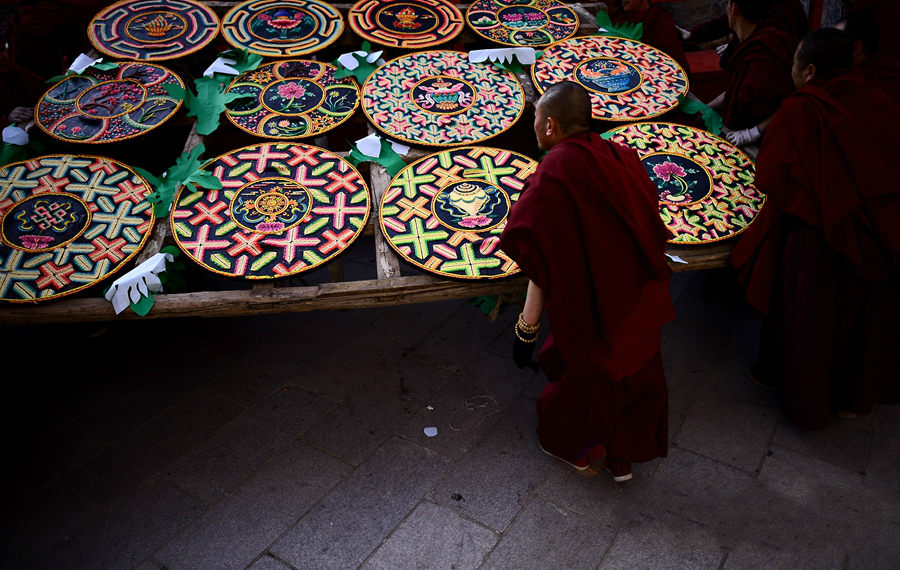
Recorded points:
624,30
711,119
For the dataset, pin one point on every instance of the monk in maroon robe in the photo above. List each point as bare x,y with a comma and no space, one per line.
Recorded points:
759,73
659,29
822,260
876,65
587,232
887,14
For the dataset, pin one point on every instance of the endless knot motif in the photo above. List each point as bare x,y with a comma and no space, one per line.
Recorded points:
410,24
445,212
66,223
292,99
706,191
438,98
283,209
534,23
153,29
627,80
105,106
282,28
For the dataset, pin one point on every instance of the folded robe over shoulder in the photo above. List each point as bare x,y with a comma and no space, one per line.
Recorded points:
884,71
587,231
758,78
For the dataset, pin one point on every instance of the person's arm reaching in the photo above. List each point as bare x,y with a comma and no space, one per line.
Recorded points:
527,328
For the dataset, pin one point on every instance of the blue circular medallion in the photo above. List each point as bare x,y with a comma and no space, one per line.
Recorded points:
471,205
608,75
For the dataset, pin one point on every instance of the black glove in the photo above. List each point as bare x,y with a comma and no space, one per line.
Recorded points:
523,354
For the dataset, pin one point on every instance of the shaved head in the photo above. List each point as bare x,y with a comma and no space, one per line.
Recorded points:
568,103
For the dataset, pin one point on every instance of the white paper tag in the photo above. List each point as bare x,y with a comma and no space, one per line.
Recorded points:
83,62
135,284
525,55
221,65
15,135
676,259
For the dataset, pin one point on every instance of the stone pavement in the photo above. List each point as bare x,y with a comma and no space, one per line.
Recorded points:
296,441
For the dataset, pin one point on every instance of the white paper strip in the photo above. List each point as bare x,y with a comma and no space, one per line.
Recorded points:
15,135
222,65
348,61
130,287
83,62
371,146
525,55
676,259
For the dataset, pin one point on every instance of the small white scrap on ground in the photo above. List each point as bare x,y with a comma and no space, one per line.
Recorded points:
431,431
430,408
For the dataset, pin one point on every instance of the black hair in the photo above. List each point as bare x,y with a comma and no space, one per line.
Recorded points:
754,10
570,104
863,27
829,49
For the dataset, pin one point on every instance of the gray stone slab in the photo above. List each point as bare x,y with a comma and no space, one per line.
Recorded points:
351,320
129,532
689,354
480,485
358,426
648,544
279,362
242,337
149,565
679,284
884,457
460,338
548,536
427,314
744,342
142,401
343,529
845,442
502,345
223,461
465,408
233,533
434,538
766,557
268,563
33,528
33,466
692,308
732,420
343,371
122,467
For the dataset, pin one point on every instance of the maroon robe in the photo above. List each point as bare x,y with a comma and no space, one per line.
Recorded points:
884,71
659,32
823,258
587,231
758,78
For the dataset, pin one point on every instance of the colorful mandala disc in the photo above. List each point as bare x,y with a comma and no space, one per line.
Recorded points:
282,28
153,30
284,209
106,106
627,80
522,23
706,190
68,222
410,24
292,99
438,98
445,212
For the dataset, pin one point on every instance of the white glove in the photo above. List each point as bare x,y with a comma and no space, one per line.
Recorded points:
744,137
685,34
721,49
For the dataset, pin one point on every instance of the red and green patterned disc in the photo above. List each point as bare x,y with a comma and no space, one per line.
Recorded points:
628,80
706,191
282,28
409,24
438,98
68,222
445,213
153,30
536,23
283,209
107,106
292,99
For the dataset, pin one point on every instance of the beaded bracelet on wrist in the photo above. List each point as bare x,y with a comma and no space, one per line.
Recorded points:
526,328
520,332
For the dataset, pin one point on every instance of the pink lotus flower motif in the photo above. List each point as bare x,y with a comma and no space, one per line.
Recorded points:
667,170
76,130
270,227
36,242
284,124
265,17
291,90
475,222
62,127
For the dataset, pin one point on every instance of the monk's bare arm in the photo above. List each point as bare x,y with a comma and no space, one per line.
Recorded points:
764,125
717,102
534,304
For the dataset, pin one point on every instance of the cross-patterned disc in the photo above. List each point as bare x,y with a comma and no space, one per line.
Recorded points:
68,222
284,209
409,24
438,98
153,30
282,28
534,23
445,213
292,99
106,106
627,80
706,191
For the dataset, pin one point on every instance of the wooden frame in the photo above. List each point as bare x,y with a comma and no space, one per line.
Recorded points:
388,289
